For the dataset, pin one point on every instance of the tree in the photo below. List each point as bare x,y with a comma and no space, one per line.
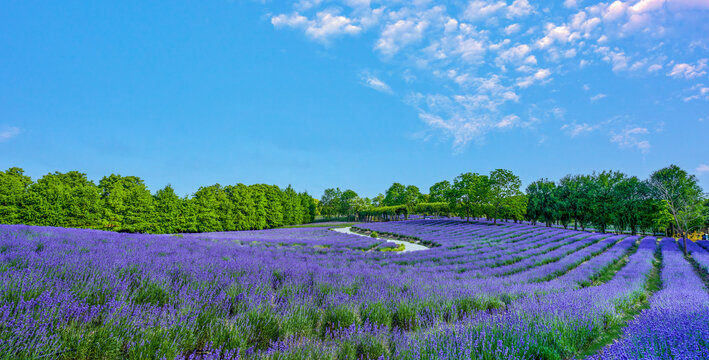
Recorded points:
395,195
573,199
504,185
292,208
540,205
516,208
440,191
378,200
412,196
64,199
346,206
127,203
469,191
360,205
274,207
260,210
169,211
605,204
309,207
13,191
683,197
330,201
213,209
244,207
630,194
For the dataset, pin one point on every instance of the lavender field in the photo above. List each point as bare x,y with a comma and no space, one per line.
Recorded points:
481,291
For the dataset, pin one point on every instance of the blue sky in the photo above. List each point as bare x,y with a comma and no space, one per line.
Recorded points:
356,94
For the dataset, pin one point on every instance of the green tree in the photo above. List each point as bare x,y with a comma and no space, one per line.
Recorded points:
683,196
214,209
469,192
541,203
330,201
504,186
274,207
13,192
412,196
127,203
64,199
292,208
169,211
574,199
395,195
440,191
346,206
630,195
309,207
605,204
258,194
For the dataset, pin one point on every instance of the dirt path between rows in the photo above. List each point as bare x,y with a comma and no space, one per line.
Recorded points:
408,247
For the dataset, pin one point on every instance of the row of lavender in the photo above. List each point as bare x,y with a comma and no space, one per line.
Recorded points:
676,325
312,293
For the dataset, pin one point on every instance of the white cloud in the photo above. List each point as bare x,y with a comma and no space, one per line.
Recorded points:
329,24
632,138
325,25
519,8
577,129
559,34
654,67
689,71
647,5
617,58
457,47
572,4
292,20
478,9
516,55
702,168
399,34
513,28
615,11
540,76
375,83
700,92
598,97
508,121
9,133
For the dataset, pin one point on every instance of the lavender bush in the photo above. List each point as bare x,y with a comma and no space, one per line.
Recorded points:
502,291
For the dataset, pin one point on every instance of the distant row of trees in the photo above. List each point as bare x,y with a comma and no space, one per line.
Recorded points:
670,199
496,196
124,203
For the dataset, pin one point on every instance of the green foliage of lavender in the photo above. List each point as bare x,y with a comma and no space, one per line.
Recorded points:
310,293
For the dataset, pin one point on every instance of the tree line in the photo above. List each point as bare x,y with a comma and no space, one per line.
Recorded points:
124,203
670,201
495,196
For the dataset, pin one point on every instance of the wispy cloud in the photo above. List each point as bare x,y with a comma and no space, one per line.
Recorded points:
375,83
322,27
598,97
632,138
577,129
8,133
689,71
486,56
702,168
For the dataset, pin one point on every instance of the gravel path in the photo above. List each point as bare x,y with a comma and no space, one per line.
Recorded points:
408,247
